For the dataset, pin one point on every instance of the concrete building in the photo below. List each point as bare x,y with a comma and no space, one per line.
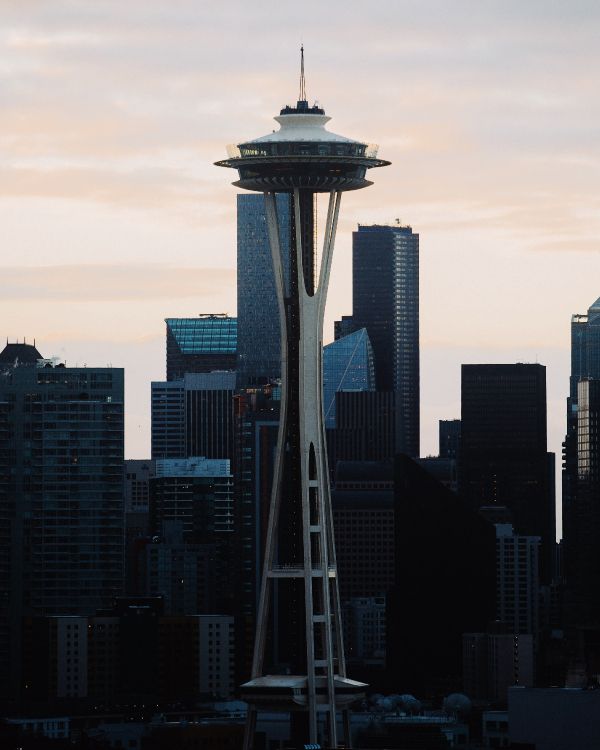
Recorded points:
517,581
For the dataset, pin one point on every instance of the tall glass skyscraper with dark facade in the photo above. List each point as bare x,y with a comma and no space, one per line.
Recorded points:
503,449
585,363
61,493
581,472
193,416
385,289
348,365
259,343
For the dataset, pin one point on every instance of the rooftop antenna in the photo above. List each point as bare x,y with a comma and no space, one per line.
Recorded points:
302,96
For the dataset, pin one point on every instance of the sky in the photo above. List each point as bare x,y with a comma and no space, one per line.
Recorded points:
114,217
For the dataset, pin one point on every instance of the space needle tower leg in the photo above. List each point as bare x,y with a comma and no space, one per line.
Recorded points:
317,568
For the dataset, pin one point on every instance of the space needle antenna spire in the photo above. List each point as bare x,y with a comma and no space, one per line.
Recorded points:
302,96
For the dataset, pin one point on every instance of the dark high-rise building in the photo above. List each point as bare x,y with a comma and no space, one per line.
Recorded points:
256,428
585,346
343,327
363,519
186,574
503,454
385,289
202,344
259,338
585,363
193,416
61,492
347,366
197,494
449,438
445,582
137,475
366,427
582,515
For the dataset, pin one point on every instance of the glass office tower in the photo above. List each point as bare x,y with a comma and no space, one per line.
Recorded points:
347,366
259,341
585,363
385,289
193,416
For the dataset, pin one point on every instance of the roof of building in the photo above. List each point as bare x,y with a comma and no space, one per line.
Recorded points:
594,312
204,334
19,354
302,127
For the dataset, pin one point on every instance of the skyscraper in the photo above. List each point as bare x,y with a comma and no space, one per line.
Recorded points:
193,416
301,160
259,337
61,492
256,429
585,363
503,452
385,292
582,514
195,494
367,426
449,438
517,581
202,344
347,366
445,581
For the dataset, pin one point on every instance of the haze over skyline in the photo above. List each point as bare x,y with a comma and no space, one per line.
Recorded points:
114,216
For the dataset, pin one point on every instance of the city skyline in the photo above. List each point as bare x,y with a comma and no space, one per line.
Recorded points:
115,218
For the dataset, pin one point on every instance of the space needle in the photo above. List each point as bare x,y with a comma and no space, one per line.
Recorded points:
299,586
